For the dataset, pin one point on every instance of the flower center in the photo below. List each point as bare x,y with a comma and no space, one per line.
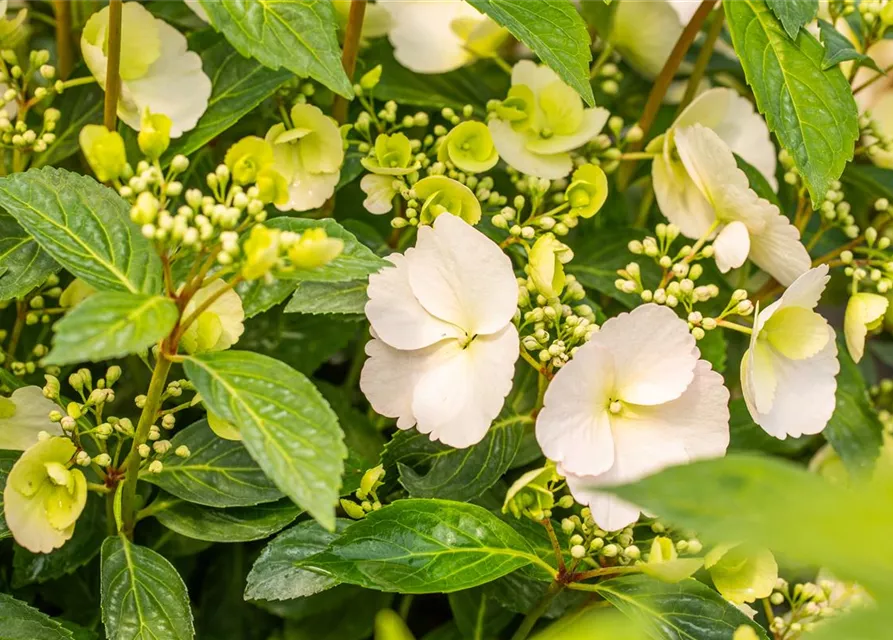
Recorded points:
615,406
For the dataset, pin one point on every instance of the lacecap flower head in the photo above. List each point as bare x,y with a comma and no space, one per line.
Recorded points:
444,347
788,373
469,147
634,399
157,70
541,121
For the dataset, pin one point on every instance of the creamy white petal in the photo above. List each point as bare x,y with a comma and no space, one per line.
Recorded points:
461,276
456,401
593,122
805,291
679,198
573,427
777,249
533,75
308,190
709,162
423,37
645,33
379,192
654,354
731,246
198,10
512,148
862,310
32,411
609,512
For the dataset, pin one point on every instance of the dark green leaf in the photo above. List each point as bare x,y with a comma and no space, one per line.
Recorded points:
431,469
855,431
85,227
687,610
362,438
287,426
758,182
275,574
296,34
143,596
111,325
425,546
329,297
838,48
713,348
7,459
876,182
793,14
331,623
478,616
235,524
810,109
598,256
217,473
238,85
516,592
553,30
18,621
23,264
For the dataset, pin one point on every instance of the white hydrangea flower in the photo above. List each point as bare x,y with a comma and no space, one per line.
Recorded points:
444,347
158,72
220,325
749,226
865,311
788,373
308,156
436,36
541,121
198,10
633,400
23,415
645,33
380,193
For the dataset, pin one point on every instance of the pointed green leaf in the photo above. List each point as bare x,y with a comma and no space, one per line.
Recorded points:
793,14
329,297
838,48
19,621
85,227
235,524
23,264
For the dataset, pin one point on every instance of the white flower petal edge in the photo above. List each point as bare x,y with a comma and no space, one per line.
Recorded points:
379,192
512,146
645,36
803,398
444,346
32,415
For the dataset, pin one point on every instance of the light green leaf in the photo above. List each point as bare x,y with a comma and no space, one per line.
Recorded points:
793,14
238,85
329,297
593,622
85,227
773,504
478,616
235,524
430,469
425,546
217,473
838,48
687,610
854,431
286,425
859,624
143,596
19,621
276,575
111,325
553,30
23,264
810,109
296,34
7,459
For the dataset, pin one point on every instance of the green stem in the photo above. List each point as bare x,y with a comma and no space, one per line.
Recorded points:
740,328
542,383
64,45
601,60
537,611
113,74
147,419
694,80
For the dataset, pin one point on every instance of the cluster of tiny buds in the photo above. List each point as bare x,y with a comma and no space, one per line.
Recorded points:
809,604
609,77
39,310
17,79
558,326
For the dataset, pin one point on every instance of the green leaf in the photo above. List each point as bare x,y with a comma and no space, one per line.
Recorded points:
687,610
810,109
553,30
85,227
327,620
425,546
217,473
276,575
839,49
856,624
714,349
238,86
7,459
854,431
876,182
286,425
329,297
773,504
758,182
793,14
431,469
235,524
143,596
23,264
296,34
19,621
478,616
111,325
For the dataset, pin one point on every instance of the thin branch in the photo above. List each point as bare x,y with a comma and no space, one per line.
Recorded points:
113,73
64,43
349,54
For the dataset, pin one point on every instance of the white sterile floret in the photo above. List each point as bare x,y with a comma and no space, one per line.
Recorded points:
864,312
380,193
23,415
633,400
749,226
645,36
542,121
157,70
444,347
788,373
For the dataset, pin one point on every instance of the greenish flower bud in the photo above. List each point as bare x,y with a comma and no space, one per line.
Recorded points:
104,151
155,134
371,78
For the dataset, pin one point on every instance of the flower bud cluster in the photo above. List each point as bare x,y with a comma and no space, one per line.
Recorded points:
805,605
39,306
366,497
28,87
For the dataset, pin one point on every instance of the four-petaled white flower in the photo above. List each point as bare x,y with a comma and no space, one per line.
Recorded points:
157,70
436,36
634,399
541,121
444,347
788,373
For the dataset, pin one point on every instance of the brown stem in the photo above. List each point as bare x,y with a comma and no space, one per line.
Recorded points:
556,547
694,80
64,43
113,74
349,54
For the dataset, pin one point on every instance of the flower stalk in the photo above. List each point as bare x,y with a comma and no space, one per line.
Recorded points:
349,54
113,76
64,44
